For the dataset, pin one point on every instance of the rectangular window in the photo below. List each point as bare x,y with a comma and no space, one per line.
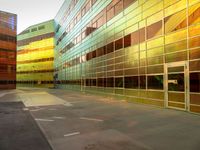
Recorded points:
194,42
100,52
154,30
34,29
131,82
110,48
155,82
41,27
142,80
119,44
93,82
195,82
174,47
127,41
87,82
135,38
142,35
181,56
119,82
110,82
100,82
195,53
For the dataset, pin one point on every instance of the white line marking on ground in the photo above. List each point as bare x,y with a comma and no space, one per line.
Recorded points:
91,119
46,120
25,109
71,134
58,117
37,109
67,104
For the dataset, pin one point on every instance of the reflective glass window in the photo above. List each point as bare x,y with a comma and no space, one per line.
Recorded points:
110,82
195,82
176,82
176,21
119,82
119,44
110,48
127,41
142,80
195,53
154,30
155,82
194,65
194,16
131,82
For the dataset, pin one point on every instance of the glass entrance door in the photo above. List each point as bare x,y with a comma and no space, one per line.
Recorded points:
176,86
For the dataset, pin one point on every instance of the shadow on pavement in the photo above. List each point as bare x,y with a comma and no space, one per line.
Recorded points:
18,129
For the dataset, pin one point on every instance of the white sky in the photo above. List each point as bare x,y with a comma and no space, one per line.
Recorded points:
30,12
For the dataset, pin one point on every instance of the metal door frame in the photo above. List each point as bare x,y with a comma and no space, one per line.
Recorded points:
186,77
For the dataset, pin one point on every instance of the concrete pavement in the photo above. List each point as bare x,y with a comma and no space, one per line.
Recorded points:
90,122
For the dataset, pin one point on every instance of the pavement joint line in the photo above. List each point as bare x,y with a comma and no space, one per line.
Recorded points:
71,134
45,120
91,119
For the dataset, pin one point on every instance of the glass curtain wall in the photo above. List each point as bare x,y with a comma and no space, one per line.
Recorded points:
145,51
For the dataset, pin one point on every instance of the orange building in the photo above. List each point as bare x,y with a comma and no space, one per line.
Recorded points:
7,50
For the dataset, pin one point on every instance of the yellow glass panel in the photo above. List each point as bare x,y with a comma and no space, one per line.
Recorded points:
142,24
155,51
175,8
194,30
155,43
175,37
134,20
155,18
176,21
194,14
150,11
169,2
191,2
142,54
143,46
131,29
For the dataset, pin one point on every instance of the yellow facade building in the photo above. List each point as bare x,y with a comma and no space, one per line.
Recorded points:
35,56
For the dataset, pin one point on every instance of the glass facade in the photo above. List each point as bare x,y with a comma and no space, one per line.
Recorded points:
146,51
8,23
35,56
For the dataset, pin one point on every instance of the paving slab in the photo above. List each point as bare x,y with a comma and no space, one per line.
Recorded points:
41,99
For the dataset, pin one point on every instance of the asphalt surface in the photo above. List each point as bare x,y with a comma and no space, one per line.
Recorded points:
18,130
90,122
